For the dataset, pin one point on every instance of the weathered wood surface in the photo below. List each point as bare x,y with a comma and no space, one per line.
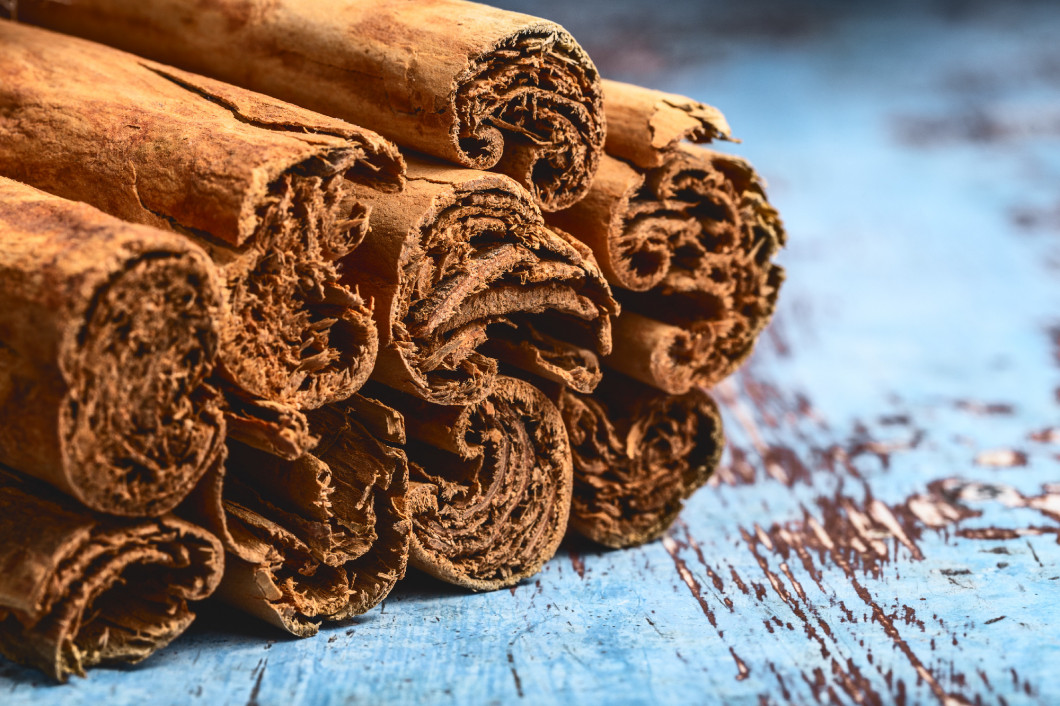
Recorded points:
886,526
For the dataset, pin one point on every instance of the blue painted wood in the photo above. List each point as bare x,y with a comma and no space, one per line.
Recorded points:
886,525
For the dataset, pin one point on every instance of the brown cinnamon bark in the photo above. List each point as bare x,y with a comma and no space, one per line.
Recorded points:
686,237
670,358
491,485
277,429
723,283
481,87
645,125
462,266
263,186
107,333
638,454
322,538
79,589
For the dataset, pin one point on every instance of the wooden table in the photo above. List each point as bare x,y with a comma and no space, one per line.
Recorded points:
885,527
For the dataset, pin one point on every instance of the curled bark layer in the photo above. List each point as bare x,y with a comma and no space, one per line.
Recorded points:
645,125
670,358
107,333
263,186
490,485
723,283
321,538
277,429
481,87
638,454
461,265
78,589
685,235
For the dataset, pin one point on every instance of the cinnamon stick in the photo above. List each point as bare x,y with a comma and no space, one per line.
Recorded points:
723,283
490,485
638,454
321,538
107,333
261,185
684,234
462,267
79,589
477,86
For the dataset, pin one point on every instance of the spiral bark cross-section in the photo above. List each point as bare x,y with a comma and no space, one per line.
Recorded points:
721,280
320,538
79,589
463,270
107,334
137,427
532,108
490,485
638,454
296,334
686,237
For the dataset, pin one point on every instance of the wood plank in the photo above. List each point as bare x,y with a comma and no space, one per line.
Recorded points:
885,528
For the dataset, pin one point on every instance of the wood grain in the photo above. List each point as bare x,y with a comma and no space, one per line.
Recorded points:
885,527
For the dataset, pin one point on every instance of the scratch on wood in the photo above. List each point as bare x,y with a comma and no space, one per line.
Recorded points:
742,672
254,692
1034,553
693,585
578,563
984,408
1001,458
1049,435
515,675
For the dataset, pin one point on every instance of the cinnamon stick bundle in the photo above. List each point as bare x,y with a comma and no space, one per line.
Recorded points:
107,333
686,237
490,488
638,454
79,589
462,267
261,185
321,538
477,86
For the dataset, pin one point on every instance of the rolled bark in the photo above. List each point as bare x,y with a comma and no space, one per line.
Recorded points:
645,125
670,358
724,279
638,454
686,237
318,539
490,485
107,333
79,589
481,87
263,186
461,266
